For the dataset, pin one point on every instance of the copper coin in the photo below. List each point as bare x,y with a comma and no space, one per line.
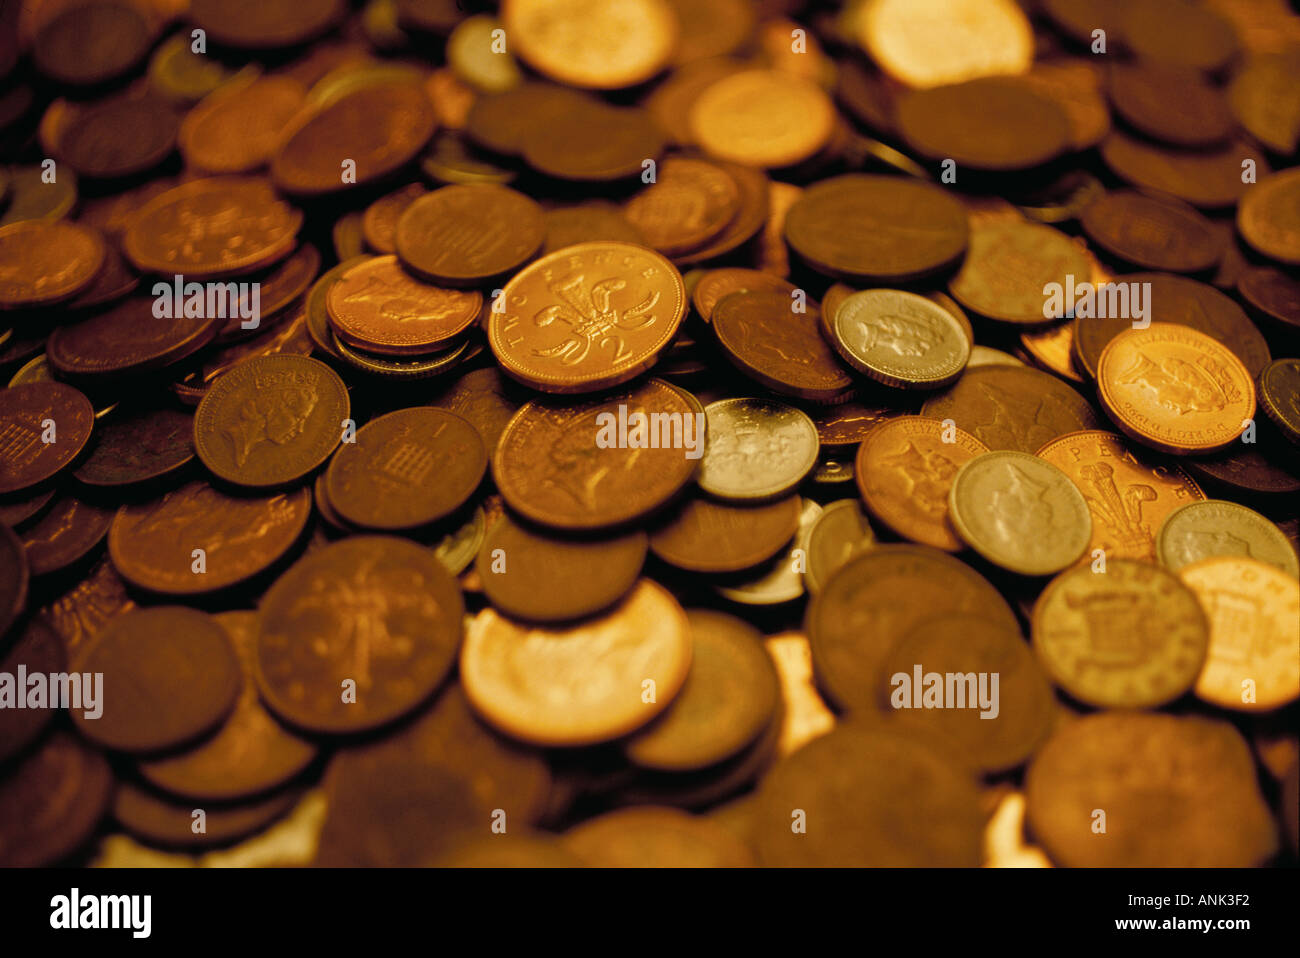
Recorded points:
377,615
406,469
587,317
119,137
586,43
767,339
1170,103
588,222
1208,179
1075,85
367,133
137,444
250,754
689,203
1268,217
257,25
904,469
159,820
126,339
1011,264
593,143
1153,232
38,649
848,423
763,118
1279,395
379,307
656,837
114,280
1273,295
552,468
755,190
1265,99
1178,32
876,228
276,291
718,283
487,399
236,128
91,43
991,123
1246,469
51,802
210,227
170,675
539,577
286,334
17,513
1011,407
45,262
153,544
43,429
379,222
502,122
270,420
1187,302
707,536
65,535
17,577
470,234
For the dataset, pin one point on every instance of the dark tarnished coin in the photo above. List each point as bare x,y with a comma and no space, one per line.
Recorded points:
1279,395
758,449
1201,530
876,228
125,340
593,142
866,608
1177,791
357,634
1208,179
277,291
18,513
900,339
44,426
565,466
1177,32
44,262
648,836
1153,232
160,820
1010,268
1012,407
270,420
766,338
406,469
170,675
264,24
51,802
502,121
717,284
1268,217
1245,469
137,444
530,575
65,535
39,650
16,578
153,543
487,399
237,129
471,234
588,222
840,533
91,43
118,137
728,700
1171,103
250,754
707,536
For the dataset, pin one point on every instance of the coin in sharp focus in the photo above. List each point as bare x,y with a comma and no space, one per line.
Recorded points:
587,43
764,118
716,284
866,608
863,228
1254,619
1175,389
997,732
900,339
1245,470
933,42
1208,179
566,467
1128,493
137,444
38,649
170,675
1020,512
847,423
592,142
1130,637
860,783
380,612
840,533
1268,217
580,685
1200,530
406,469
1178,791
44,426
65,535
728,700
270,420
539,577
706,536
1052,349
151,543
379,307
1279,395
587,317
1011,407
470,234
485,398
250,754
1153,232
51,801
768,339
991,123
690,202
905,468
236,128
649,836
1009,265
43,262
212,227
757,449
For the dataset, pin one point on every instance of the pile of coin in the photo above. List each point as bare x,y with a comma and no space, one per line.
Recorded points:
655,433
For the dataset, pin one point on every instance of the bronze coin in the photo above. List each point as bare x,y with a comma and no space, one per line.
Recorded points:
1268,217
379,222
487,399
92,43
1273,295
125,340
238,126
259,25
160,820
593,143
540,577
502,122
270,420
1177,32
115,280
17,577
250,754
1153,232
688,204
42,263
755,189
552,469
139,443
990,123
1171,103
357,634
1009,266
588,222
276,290
656,837
470,234
1247,470
44,426
65,535
764,337
1279,395
17,513
1012,407
876,228
119,137
406,469
359,138
707,536
170,675
153,543
39,650
718,283
1208,179
51,802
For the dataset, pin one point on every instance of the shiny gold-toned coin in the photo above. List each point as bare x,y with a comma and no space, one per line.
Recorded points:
900,339
762,118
